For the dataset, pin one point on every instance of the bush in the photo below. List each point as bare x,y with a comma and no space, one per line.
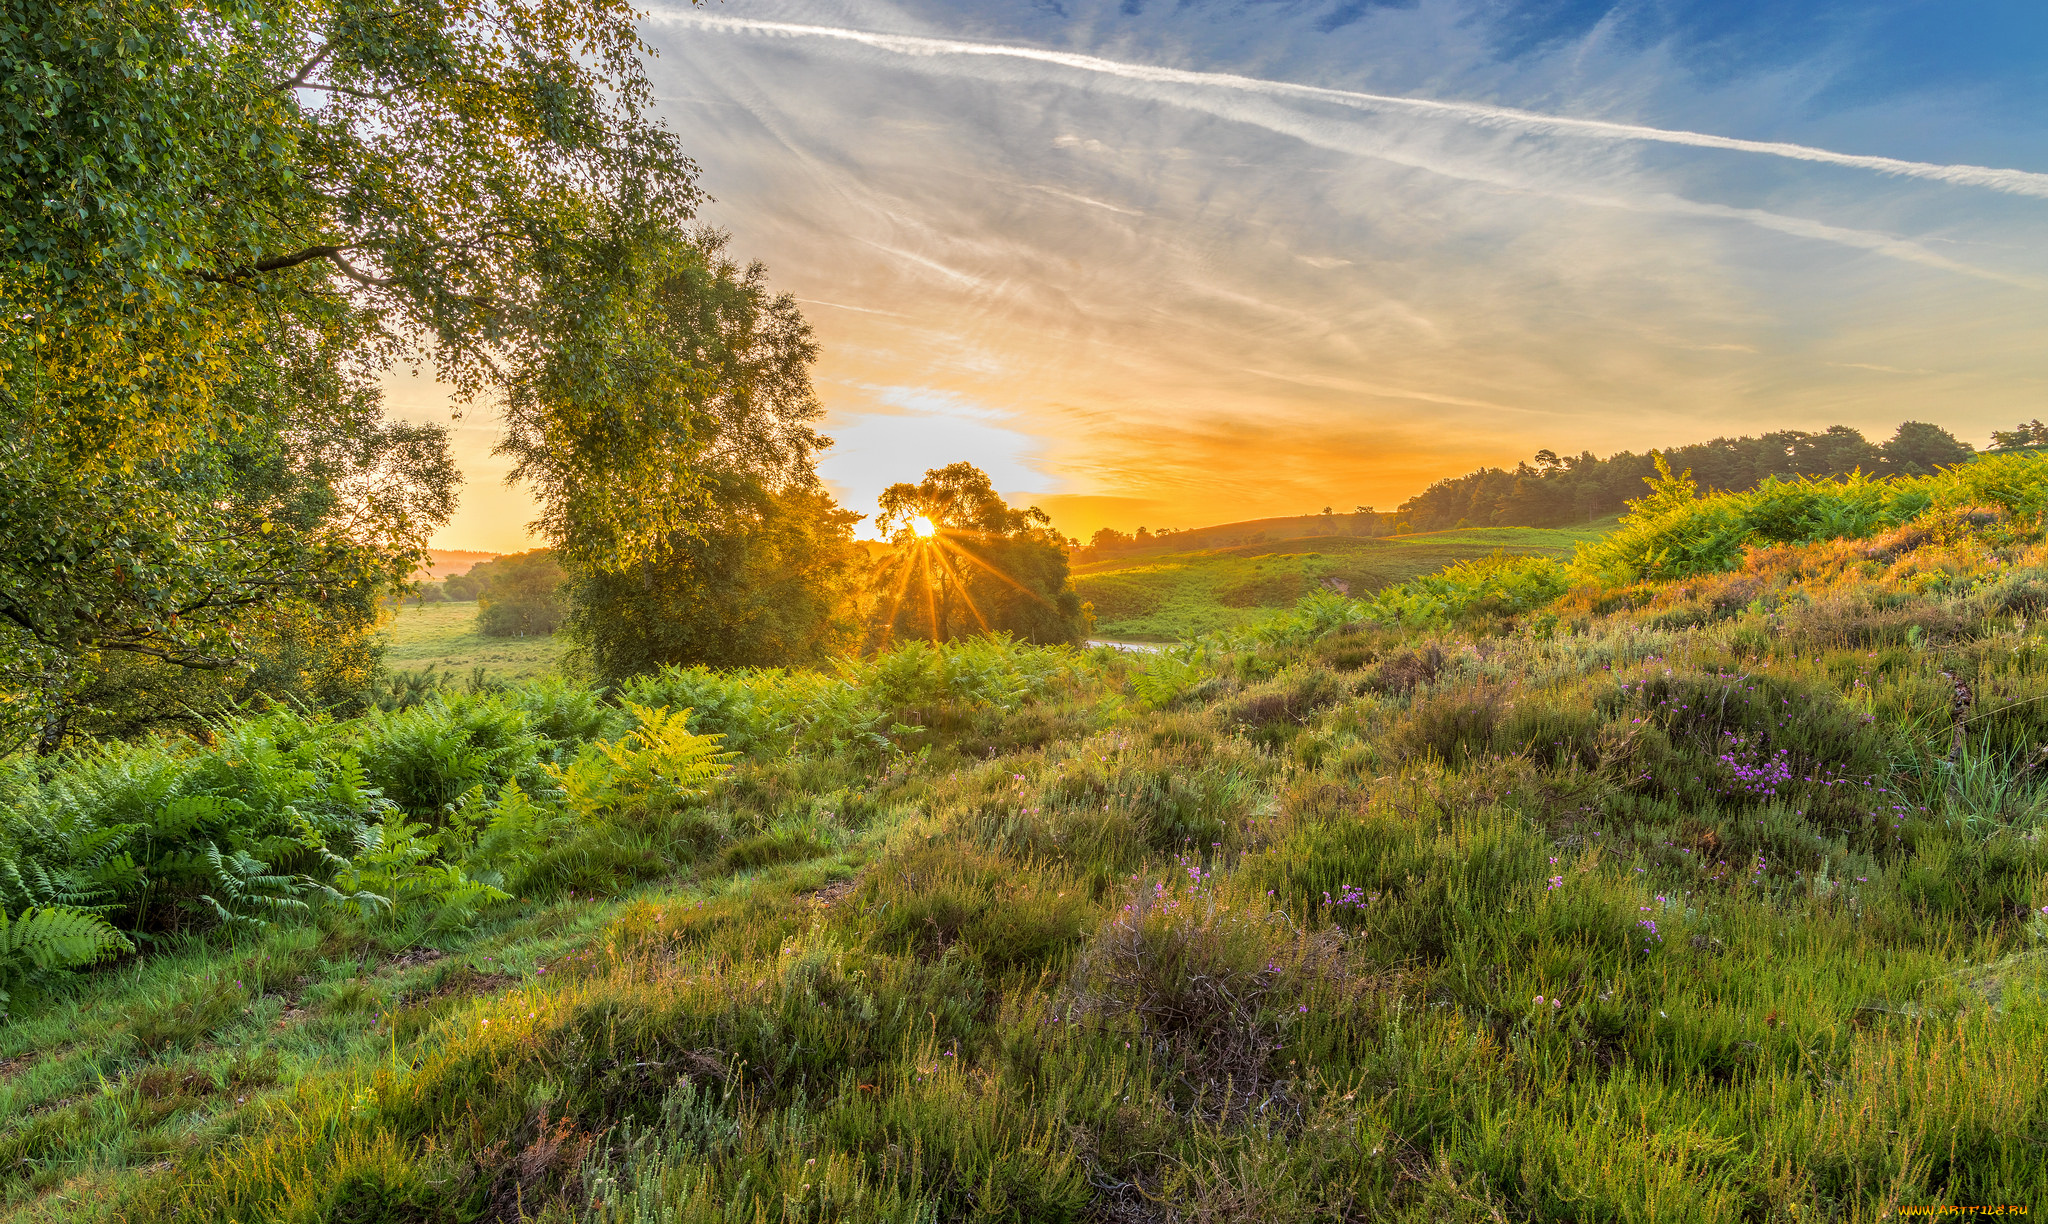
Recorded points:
428,756
1674,533
520,595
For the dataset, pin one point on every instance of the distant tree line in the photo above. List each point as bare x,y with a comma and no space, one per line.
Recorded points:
1108,541
2025,434
1552,490
517,595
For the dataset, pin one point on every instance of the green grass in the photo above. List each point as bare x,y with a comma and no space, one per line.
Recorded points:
1163,597
443,636
1495,920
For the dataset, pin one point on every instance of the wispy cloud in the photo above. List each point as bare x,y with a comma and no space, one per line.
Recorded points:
891,314
952,274
1354,387
1129,296
1081,199
1878,369
2015,182
1254,101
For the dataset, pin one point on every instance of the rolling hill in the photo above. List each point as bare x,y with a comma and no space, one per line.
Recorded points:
1166,593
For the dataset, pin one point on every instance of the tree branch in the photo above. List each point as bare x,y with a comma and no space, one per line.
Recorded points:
351,271
326,87
276,263
299,78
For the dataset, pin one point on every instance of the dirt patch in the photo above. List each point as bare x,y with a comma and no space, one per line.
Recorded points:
831,894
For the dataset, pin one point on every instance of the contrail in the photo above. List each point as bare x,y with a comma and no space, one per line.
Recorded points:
2014,182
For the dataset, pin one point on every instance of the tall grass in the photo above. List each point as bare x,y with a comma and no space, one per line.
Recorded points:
1711,898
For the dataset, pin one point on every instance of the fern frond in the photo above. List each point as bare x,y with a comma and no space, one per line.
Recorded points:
37,943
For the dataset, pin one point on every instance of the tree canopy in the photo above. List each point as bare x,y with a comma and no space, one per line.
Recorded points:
521,595
184,178
717,385
766,580
219,223
686,507
2026,433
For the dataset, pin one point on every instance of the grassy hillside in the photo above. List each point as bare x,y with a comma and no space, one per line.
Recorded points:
1718,897
444,637
1165,596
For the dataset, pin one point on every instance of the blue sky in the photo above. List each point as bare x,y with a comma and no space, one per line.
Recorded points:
1203,293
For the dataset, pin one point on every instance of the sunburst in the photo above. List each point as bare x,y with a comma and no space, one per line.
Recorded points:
933,556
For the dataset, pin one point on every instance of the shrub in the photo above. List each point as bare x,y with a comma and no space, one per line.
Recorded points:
1673,533
1211,985
1451,726
428,756
658,764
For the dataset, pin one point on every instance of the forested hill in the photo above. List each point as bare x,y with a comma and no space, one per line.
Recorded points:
1552,490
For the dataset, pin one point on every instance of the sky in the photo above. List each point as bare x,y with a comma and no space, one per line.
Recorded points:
1178,262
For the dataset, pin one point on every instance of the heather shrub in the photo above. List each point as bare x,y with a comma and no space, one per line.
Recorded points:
1212,987
929,898
1271,711
1452,725
1411,881
1399,673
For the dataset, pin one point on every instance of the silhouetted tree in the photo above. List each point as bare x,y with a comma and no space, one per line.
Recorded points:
1919,448
2026,433
982,567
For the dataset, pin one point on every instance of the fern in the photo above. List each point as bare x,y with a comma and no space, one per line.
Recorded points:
396,875
661,761
1165,679
38,944
251,894
494,843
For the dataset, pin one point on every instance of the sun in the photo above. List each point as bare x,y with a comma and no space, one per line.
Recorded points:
922,528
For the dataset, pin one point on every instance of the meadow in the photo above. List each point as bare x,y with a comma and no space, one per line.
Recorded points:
1701,878
443,638
1165,594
